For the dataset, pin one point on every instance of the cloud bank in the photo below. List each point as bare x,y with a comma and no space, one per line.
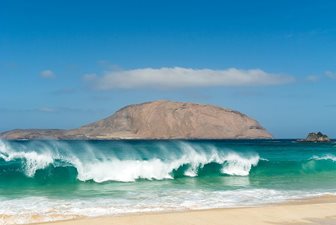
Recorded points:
178,77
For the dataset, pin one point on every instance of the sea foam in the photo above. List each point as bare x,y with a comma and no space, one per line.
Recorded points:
324,157
102,166
22,211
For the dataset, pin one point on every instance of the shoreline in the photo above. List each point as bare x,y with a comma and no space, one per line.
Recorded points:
315,210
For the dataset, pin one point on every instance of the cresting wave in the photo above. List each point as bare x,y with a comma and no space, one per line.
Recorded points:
125,162
324,157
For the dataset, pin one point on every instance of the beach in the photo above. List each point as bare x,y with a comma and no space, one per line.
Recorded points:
307,211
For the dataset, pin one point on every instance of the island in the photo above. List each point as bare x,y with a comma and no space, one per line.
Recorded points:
316,137
158,120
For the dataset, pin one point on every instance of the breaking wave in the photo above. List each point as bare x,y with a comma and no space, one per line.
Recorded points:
125,162
324,157
71,161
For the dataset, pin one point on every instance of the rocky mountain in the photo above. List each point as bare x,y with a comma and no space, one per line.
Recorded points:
159,120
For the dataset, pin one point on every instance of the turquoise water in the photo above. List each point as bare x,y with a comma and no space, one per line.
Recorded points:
52,180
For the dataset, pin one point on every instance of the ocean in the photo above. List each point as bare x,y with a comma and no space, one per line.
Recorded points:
55,180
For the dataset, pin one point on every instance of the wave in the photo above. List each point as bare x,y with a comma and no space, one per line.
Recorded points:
127,164
324,157
72,161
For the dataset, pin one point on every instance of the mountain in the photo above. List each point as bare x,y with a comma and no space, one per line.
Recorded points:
159,120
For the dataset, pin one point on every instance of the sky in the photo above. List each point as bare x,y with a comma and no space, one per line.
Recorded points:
64,64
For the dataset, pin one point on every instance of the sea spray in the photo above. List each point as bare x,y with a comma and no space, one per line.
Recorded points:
100,166
237,165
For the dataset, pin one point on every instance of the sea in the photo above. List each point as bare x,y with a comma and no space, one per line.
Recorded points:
51,180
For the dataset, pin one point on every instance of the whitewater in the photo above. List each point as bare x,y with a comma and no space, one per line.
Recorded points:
53,180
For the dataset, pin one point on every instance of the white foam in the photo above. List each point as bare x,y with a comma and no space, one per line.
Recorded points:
236,165
112,169
92,164
324,157
22,211
33,160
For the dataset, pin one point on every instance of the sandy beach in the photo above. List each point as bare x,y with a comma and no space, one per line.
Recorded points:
320,210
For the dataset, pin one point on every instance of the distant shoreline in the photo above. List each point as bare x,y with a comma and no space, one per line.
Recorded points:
178,139
146,139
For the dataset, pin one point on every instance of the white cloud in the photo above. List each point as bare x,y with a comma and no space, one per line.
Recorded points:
313,78
177,77
47,74
330,74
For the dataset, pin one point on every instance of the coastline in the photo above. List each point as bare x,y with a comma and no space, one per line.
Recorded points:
304,211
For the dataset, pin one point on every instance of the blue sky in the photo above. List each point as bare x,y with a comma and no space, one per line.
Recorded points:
67,63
